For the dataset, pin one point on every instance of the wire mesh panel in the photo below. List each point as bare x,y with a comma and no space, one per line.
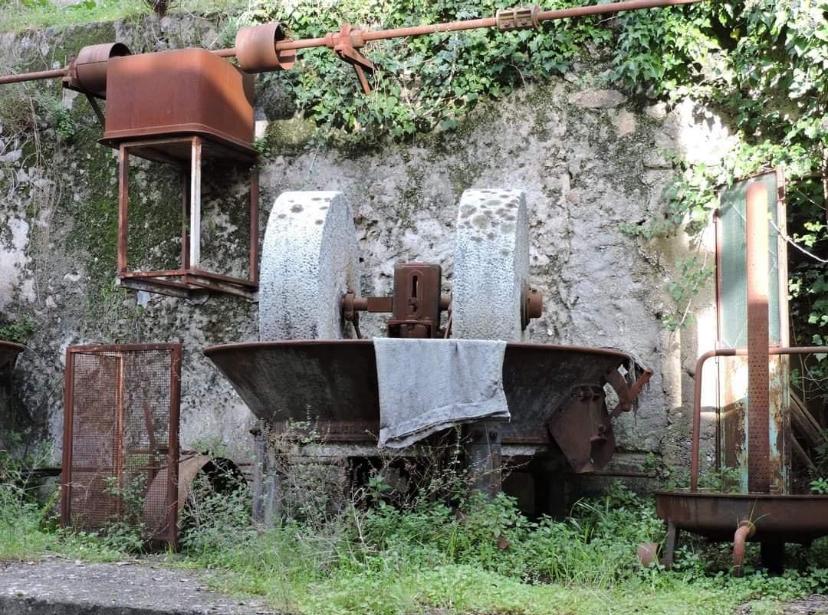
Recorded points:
120,446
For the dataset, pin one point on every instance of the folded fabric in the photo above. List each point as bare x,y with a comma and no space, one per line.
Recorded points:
426,385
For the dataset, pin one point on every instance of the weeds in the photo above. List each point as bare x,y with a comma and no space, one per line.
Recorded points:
381,556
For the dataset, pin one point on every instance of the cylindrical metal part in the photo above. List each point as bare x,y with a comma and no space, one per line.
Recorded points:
756,230
256,49
518,18
87,72
745,530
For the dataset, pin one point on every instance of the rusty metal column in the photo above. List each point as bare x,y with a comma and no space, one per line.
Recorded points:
756,229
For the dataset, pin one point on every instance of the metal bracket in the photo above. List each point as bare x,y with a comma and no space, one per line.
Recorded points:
627,393
344,44
96,108
582,429
416,303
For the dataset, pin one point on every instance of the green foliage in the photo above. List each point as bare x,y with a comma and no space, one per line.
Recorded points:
58,116
763,66
423,84
690,278
19,330
819,486
127,532
479,556
721,480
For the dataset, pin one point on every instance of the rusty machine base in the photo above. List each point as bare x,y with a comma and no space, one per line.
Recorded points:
772,520
328,391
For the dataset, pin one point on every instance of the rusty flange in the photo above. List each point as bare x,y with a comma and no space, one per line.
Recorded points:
256,50
531,306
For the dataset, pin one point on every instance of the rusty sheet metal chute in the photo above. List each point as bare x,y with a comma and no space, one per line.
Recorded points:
266,47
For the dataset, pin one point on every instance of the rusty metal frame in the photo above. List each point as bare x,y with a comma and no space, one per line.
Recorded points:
726,352
759,473
188,279
173,449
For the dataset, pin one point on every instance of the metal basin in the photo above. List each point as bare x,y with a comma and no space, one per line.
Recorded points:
784,518
8,353
333,384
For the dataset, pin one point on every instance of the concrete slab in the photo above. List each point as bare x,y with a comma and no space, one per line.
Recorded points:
64,587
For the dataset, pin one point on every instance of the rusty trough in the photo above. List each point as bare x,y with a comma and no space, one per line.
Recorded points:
332,384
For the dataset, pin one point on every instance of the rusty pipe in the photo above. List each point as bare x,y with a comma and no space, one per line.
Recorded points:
745,530
359,38
756,268
697,389
366,36
379,304
57,73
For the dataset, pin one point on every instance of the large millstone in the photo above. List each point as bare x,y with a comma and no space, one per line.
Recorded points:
491,265
309,260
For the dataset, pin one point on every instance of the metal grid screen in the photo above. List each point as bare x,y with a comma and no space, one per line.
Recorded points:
120,447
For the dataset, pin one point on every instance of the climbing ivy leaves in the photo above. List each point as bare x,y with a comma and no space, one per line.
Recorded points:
425,83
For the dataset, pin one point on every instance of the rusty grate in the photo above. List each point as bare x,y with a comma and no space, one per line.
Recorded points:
121,415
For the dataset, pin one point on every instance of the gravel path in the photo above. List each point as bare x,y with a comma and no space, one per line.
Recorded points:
57,586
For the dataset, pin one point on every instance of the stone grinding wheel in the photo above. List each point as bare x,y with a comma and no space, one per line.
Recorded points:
309,261
491,265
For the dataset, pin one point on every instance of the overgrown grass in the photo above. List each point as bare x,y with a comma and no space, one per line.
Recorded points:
18,15
479,557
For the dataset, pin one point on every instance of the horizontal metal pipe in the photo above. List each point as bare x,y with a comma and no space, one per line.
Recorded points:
452,26
44,74
611,7
230,52
487,22
697,389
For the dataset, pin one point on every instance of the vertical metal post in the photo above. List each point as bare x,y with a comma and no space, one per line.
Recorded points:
173,446
123,205
253,264
119,448
756,228
68,418
185,218
195,203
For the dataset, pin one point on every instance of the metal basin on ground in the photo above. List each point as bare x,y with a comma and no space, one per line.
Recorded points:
783,518
8,353
333,384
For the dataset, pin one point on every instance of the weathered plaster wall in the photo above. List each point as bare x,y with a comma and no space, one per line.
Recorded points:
588,158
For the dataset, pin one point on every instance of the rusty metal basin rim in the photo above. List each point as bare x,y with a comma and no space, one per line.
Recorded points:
787,518
333,383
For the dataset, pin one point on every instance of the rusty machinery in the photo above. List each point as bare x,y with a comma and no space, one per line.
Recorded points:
187,108
416,303
309,380
765,513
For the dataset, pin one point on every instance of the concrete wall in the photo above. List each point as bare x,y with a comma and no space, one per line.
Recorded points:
588,158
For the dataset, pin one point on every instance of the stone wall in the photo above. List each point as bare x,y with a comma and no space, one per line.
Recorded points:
588,158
